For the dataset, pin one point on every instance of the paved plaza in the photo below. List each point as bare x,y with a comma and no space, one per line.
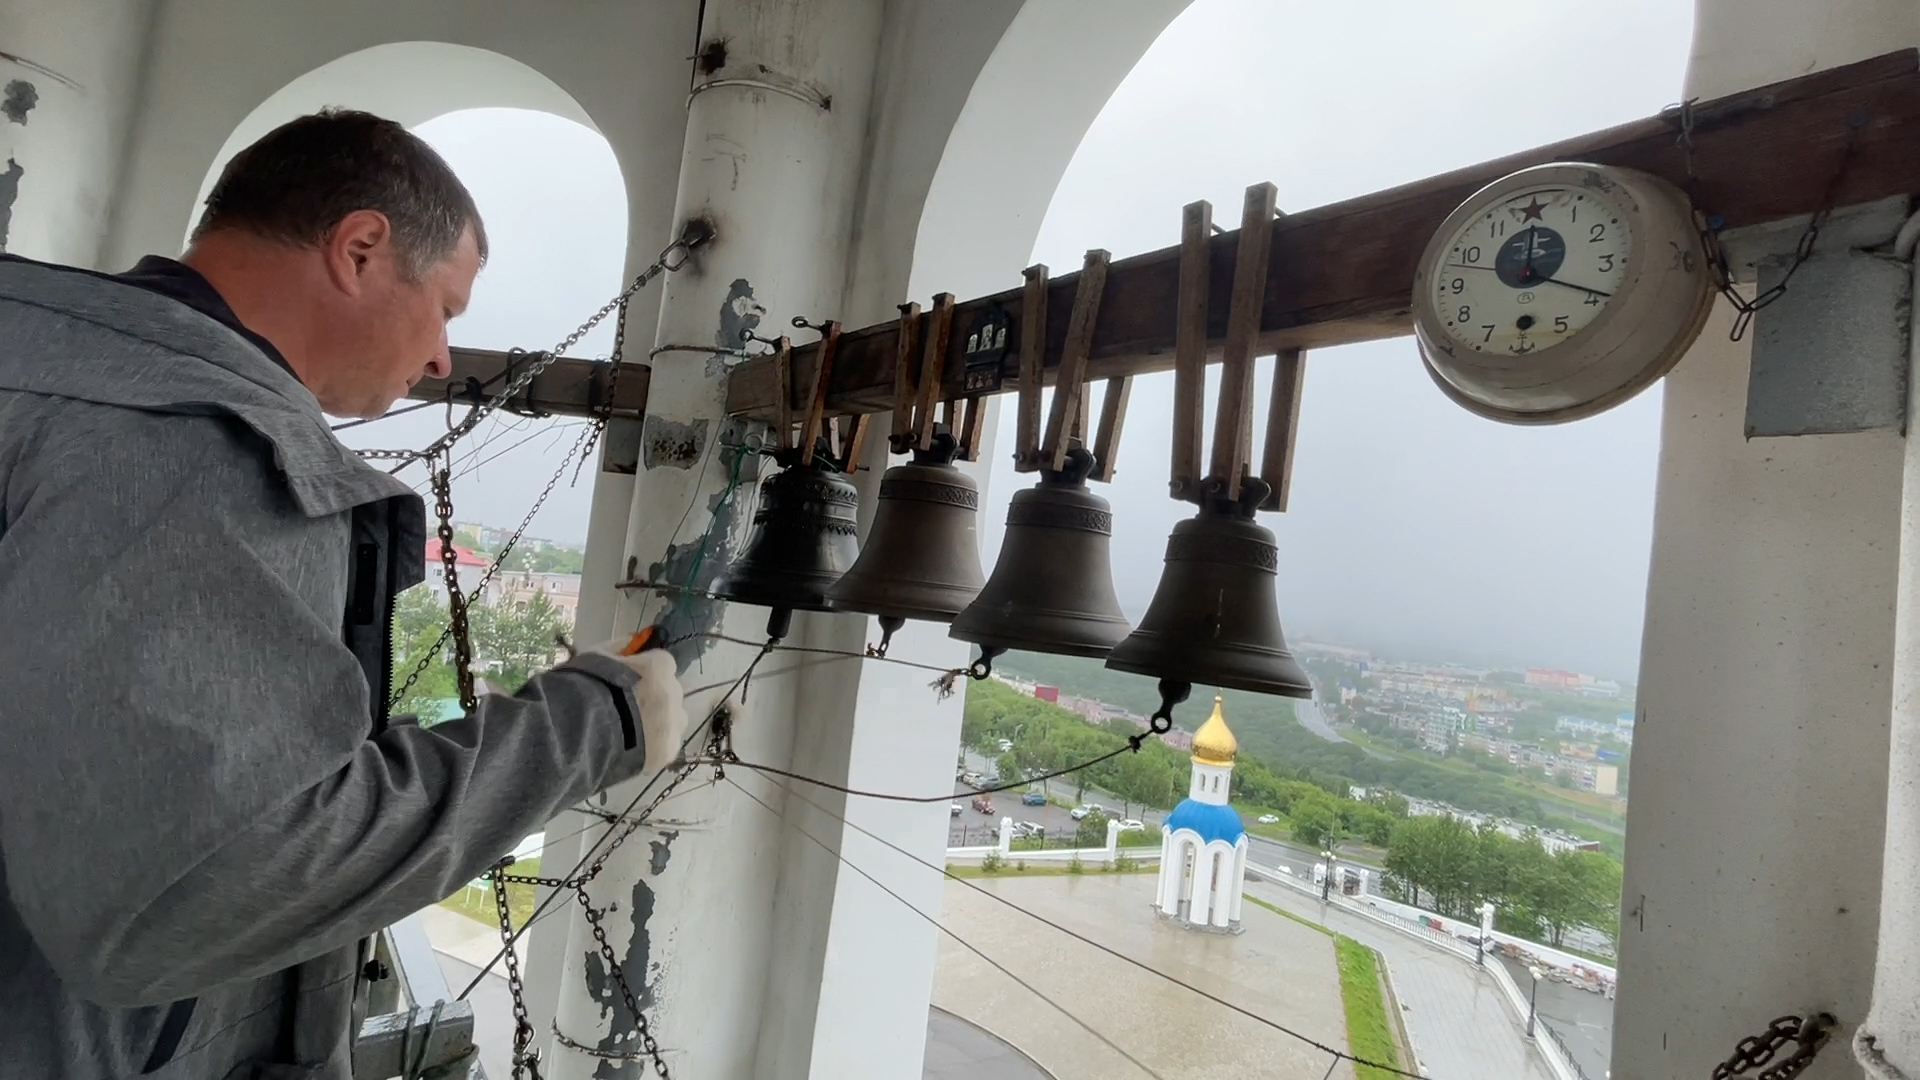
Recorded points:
1277,969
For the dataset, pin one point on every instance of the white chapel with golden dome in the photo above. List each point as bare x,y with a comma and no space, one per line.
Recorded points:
1203,853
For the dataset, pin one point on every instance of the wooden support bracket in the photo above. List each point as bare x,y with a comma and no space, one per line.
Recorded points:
902,437
817,391
1069,388
1283,426
1190,352
1106,439
932,364
1233,421
1033,346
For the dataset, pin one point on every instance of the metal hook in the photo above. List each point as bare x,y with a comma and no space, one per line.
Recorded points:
800,323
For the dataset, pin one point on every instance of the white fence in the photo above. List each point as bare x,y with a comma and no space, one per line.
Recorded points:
1109,853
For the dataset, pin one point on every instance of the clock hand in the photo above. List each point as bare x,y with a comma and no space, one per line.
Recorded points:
1571,285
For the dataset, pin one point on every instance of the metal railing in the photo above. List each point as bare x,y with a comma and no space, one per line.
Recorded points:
414,1024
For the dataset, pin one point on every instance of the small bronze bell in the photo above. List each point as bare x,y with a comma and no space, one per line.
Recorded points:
1214,619
803,541
1052,588
922,557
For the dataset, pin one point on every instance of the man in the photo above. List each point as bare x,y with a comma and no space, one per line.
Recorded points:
204,807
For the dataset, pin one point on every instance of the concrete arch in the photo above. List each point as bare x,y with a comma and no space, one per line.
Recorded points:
619,69
407,81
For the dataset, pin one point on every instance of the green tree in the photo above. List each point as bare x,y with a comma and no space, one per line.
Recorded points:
1092,832
1315,822
516,640
419,615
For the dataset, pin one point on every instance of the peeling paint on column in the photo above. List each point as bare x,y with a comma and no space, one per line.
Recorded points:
739,314
662,852
620,1037
670,444
18,100
9,191
696,566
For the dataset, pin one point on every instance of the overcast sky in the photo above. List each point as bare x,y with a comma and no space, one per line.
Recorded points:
1414,527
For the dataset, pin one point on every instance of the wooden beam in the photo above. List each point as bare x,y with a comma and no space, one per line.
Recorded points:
569,388
1343,273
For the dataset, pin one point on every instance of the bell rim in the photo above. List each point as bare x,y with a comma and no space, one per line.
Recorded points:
1212,676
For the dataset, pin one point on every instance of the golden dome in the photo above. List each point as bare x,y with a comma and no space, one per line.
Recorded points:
1214,744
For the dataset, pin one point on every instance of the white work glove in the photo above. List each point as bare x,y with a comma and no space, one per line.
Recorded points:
662,703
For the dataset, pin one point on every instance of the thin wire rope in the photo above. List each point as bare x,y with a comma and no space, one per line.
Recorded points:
736,763
848,653
612,827
556,432
1077,936
415,407
943,928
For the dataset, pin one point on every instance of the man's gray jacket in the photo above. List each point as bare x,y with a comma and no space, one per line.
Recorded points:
203,807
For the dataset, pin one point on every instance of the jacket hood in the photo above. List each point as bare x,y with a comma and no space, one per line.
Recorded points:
74,334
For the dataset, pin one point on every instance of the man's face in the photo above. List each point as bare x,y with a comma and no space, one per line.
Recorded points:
393,331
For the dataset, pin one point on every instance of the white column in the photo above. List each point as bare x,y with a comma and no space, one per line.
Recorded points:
1894,1022
1752,880
1200,908
1006,836
67,94
774,143
1753,841
1239,880
1226,890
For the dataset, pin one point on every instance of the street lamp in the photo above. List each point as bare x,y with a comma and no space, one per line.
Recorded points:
1486,931
1533,998
1326,883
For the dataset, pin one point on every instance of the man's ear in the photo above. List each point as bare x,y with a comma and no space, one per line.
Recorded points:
353,246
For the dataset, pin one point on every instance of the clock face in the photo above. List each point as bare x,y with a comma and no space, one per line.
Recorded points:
1530,271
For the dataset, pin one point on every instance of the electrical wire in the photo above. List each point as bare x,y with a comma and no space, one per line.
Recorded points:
938,925
1116,954
736,763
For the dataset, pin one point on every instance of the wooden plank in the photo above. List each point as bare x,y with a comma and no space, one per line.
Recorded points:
1283,426
970,428
1113,415
817,390
932,367
1070,389
1233,421
1190,352
783,368
571,387
901,438
855,442
1033,312
1343,273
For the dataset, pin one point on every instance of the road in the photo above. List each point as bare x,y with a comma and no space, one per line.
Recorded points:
1582,1018
1308,713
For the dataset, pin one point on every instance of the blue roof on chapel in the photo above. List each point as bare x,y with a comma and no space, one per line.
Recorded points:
1210,821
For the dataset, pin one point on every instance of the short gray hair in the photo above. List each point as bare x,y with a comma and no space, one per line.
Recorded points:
301,178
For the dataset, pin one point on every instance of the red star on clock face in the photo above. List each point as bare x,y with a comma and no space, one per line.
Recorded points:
1531,211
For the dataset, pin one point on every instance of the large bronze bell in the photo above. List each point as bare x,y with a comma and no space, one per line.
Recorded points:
1215,619
1052,588
922,557
804,539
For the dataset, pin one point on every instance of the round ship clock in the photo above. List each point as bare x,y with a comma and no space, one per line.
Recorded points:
1560,291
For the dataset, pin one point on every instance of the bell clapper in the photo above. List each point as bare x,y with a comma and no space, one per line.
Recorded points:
1172,692
888,624
779,623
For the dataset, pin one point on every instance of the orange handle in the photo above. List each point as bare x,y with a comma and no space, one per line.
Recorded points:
637,642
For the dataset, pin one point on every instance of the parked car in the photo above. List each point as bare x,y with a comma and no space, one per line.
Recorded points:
956,809
1132,825
1079,812
1033,798
971,779
983,804
1006,745
1268,819
1024,829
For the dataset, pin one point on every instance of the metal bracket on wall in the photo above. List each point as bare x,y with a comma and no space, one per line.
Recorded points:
1830,353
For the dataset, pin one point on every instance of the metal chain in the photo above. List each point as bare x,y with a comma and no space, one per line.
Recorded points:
1807,1034
672,257
718,741
1710,225
442,481
618,359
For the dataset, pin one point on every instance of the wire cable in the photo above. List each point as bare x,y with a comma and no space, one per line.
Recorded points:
625,813
938,925
735,763
1116,954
